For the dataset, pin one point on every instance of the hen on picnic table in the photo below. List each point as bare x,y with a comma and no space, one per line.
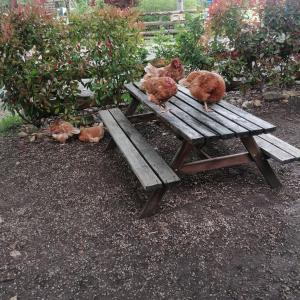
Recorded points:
205,86
175,70
159,90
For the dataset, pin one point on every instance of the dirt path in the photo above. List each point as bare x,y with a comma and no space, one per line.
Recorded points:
69,227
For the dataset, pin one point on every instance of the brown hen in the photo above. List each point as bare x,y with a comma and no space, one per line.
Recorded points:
159,89
205,86
92,134
61,130
175,70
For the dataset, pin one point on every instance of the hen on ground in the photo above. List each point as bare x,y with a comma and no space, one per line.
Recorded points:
92,134
205,86
61,130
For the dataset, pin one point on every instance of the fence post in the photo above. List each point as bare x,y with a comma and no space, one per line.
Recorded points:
180,5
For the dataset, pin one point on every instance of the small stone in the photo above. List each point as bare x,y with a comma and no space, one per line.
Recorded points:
247,104
273,96
22,134
13,298
32,138
297,82
17,163
15,253
285,101
257,103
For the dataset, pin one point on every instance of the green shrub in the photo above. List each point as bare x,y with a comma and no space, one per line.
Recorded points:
114,50
42,60
262,37
185,44
9,123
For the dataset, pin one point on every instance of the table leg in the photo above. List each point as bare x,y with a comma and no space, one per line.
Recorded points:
132,107
261,161
153,202
181,154
130,111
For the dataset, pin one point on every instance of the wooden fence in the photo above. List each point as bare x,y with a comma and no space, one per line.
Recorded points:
166,20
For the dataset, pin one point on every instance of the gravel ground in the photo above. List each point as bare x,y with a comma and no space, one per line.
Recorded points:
69,226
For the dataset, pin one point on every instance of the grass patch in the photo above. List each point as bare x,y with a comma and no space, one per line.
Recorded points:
9,124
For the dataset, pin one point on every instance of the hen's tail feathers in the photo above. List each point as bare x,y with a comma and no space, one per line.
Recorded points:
184,82
149,69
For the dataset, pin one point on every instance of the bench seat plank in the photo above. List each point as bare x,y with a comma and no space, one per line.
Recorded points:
273,151
282,145
159,166
139,166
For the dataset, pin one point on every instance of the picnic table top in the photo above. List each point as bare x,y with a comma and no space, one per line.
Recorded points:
188,118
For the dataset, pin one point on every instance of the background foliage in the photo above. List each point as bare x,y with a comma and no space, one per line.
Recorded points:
42,60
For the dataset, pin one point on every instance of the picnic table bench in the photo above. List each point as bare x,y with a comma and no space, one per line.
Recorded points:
195,128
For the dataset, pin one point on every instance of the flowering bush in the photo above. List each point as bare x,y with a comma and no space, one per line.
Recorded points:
42,60
261,37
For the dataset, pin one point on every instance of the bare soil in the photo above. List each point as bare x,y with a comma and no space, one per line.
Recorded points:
69,226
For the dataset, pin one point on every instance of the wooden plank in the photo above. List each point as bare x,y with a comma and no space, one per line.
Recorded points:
268,127
281,144
142,118
159,166
273,151
192,122
237,119
261,161
139,166
163,23
178,126
216,163
237,129
213,125
167,13
154,32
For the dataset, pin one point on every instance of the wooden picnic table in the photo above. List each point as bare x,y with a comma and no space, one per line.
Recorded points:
196,128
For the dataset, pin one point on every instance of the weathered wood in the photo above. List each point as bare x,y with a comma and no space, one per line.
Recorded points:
139,166
132,107
261,161
211,124
268,127
237,119
163,23
282,145
152,33
168,13
142,118
215,163
237,129
157,164
182,153
178,126
153,202
192,122
273,151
